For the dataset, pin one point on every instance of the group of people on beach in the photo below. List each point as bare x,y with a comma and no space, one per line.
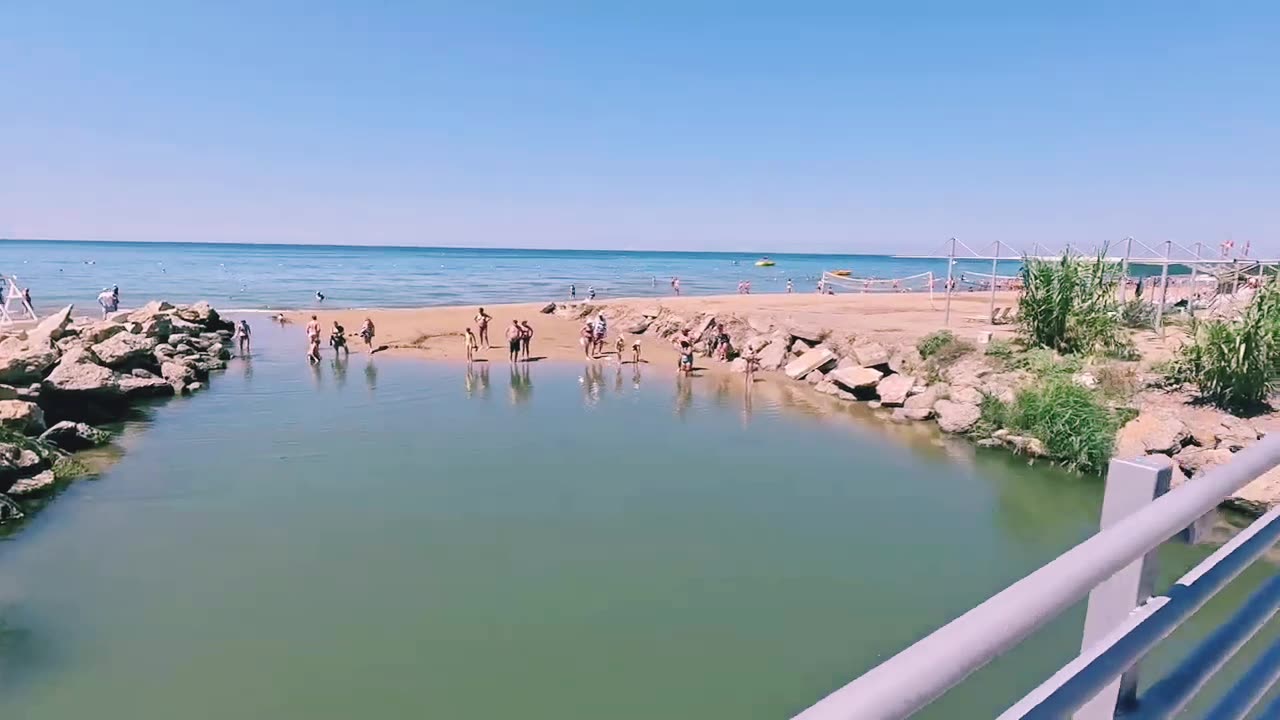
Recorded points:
595,332
337,338
519,337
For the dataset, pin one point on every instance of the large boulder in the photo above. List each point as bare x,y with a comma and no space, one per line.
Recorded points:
811,334
80,389
869,354
956,417
158,327
26,361
50,329
1235,434
905,360
17,462
966,394
100,331
144,387
126,350
1259,496
855,378
773,356
926,399
894,389
816,359
906,414
201,313
178,374
1151,433
1196,460
21,416
967,371
37,484
73,436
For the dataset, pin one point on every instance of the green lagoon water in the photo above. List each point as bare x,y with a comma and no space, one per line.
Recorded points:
392,538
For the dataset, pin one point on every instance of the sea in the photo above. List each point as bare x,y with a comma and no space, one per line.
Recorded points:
287,277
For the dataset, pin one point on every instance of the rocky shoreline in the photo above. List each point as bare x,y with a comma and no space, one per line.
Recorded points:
894,381
67,374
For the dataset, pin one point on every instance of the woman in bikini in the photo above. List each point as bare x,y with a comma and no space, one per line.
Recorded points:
526,336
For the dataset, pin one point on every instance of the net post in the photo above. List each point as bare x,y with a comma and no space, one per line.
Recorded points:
1124,268
1164,286
1195,272
991,306
951,261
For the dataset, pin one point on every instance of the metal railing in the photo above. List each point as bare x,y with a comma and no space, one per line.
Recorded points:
1115,568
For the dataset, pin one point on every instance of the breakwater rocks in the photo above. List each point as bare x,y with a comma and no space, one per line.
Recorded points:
66,374
901,387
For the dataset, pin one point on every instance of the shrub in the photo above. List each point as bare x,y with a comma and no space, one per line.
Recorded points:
1077,430
1116,380
1233,363
1137,313
995,415
930,344
1070,305
1001,350
1045,363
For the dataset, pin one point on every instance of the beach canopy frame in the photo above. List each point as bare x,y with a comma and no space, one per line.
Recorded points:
15,310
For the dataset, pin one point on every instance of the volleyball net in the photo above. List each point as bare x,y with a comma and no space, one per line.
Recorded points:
983,281
833,283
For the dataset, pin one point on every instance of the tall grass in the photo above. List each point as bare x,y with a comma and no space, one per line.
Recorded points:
1235,364
1077,429
1069,305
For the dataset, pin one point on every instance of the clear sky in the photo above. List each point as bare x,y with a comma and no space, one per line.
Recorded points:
809,126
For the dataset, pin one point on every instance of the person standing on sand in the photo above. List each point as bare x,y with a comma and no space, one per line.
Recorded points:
619,346
482,324
513,341
313,340
526,336
366,332
242,334
587,338
471,345
601,329
338,339
635,351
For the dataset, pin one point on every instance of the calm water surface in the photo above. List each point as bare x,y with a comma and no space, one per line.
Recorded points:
391,538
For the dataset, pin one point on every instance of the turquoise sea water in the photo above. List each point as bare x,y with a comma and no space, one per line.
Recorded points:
391,538
288,276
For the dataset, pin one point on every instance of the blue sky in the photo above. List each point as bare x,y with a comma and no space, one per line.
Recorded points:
844,127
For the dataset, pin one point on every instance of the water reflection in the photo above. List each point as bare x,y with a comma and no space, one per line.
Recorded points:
684,394
521,384
476,380
591,379
371,375
340,370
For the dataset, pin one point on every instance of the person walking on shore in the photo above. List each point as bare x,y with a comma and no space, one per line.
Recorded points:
573,291
242,334
513,341
366,333
313,340
482,324
526,337
471,345
338,339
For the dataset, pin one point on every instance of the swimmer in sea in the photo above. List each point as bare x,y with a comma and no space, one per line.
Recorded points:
319,296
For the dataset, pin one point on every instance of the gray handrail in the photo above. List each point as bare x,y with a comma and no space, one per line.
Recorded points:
919,674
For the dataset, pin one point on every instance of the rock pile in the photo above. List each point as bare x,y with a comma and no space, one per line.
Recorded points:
68,372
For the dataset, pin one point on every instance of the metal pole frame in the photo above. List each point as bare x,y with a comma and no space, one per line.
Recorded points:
951,262
1195,272
1164,287
1124,268
991,308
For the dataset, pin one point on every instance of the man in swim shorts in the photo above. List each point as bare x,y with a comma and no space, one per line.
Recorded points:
513,340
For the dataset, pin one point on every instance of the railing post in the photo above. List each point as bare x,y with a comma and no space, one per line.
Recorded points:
1130,486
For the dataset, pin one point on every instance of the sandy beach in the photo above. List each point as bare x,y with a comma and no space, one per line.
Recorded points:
436,332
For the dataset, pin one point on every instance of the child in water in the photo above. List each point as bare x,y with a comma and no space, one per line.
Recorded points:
471,344
620,345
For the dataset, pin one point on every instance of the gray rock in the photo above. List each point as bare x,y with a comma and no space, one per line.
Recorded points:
637,327
1236,434
125,350
808,333
219,351
1196,460
176,373
158,327
50,329
185,349
17,462
760,324
855,377
956,417
21,417
967,371
926,399
826,387
1151,433
905,361
142,373
966,394
800,347
548,308
815,359
100,331
136,387
870,353
815,377
773,356
73,436
846,395
893,390
78,376
37,484
25,361
195,386
905,414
